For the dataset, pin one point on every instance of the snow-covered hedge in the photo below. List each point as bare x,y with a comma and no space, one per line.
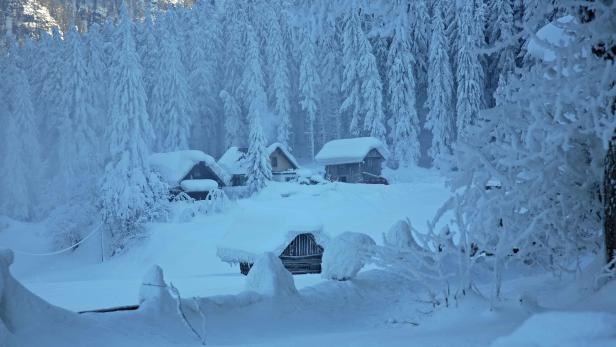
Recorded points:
269,277
346,254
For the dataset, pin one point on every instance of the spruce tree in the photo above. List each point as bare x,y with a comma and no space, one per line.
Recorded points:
309,83
440,78
129,193
469,72
401,88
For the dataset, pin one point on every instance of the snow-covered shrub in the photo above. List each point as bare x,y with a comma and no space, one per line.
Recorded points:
269,277
346,254
400,235
185,207
154,292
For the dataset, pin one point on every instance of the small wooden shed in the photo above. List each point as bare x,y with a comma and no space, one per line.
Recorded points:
283,163
354,160
298,240
192,172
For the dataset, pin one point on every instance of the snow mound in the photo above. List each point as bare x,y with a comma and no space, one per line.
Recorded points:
269,277
400,235
346,254
174,166
563,329
550,37
20,310
199,185
345,151
154,293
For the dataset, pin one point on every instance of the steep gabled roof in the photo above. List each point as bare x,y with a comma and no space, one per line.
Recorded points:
174,166
348,151
276,145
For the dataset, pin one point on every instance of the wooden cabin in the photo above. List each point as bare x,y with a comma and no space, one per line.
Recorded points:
355,160
283,163
191,172
302,256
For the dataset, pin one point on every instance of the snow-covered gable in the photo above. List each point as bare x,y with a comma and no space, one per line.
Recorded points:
174,166
276,145
347,151
551,37
266,230
233,161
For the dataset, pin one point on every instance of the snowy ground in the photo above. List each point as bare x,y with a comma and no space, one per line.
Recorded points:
375,309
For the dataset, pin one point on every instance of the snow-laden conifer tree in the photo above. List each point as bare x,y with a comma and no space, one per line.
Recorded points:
130,194
469,73
233,118
147,48
330,56
361,83
277,70
420,35
500,34
252,87
404,121
169,100
98,77
20,162
352,34
309,83
440,87
77,148
203,45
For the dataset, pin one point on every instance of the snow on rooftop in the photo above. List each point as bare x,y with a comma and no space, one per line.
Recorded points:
346,151
173,166
554,35
277,145
265,230
199,185
233,161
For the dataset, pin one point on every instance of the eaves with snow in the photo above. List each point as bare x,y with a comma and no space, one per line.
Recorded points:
349,151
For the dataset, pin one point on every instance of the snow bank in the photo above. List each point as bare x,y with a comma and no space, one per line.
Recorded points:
154,292
346,254
263,230
20,310
346,151
269,277
199,185
550,37
173,166
562,329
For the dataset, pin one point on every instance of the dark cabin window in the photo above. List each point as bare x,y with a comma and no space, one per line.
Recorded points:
342,179
274,161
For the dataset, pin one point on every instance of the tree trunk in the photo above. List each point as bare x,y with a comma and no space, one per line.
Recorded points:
609,200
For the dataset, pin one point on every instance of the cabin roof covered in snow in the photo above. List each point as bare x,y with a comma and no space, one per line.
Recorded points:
265,230
347,151
550,37
174,166
234,159
277,145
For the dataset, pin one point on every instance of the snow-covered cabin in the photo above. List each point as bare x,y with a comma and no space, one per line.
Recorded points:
355,160
284,164
189,171
296,239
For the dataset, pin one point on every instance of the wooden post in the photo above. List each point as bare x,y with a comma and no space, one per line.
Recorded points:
609,200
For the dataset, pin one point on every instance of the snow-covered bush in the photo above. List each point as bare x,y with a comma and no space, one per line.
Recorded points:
400,235
154,292
185,207
269,277
346,254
